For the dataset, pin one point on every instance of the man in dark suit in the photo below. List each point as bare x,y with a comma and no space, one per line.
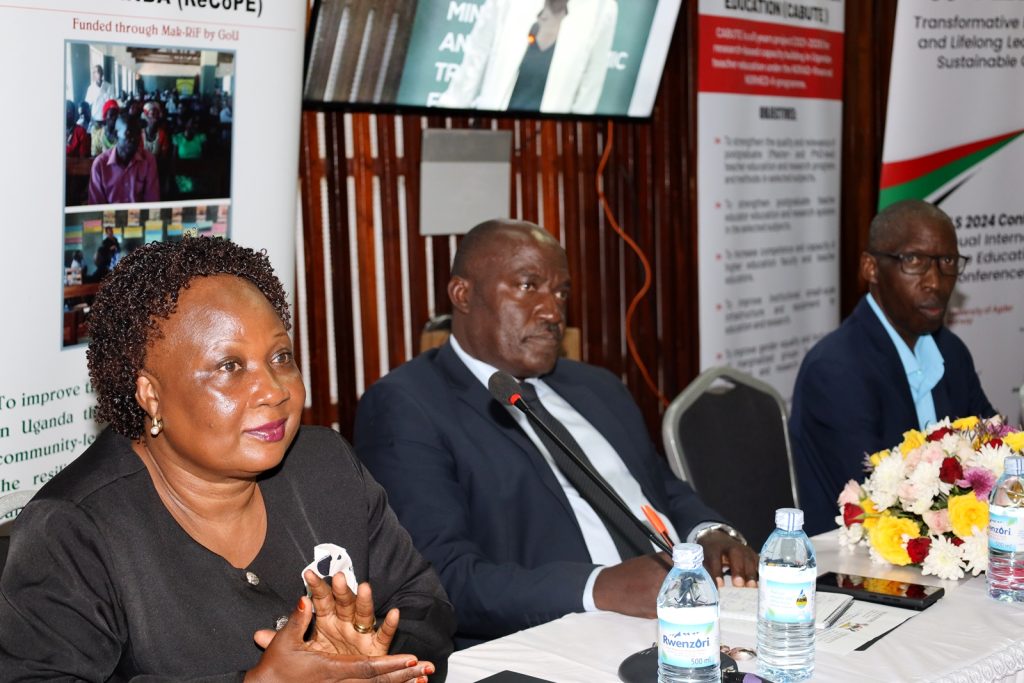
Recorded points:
514,542
890,367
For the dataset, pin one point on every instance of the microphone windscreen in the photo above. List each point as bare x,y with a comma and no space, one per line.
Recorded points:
503,386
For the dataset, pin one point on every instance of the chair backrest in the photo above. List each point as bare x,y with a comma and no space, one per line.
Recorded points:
726,435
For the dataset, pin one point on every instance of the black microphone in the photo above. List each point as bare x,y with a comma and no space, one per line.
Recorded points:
505,389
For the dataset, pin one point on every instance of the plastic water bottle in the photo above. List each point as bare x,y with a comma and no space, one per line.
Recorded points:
785,601
688,650
1006,533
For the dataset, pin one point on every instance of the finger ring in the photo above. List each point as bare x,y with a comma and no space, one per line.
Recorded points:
362,629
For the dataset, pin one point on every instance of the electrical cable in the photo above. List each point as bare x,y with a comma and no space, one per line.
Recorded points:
631,309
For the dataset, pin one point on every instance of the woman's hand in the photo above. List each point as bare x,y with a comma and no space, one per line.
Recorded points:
289,658
344,622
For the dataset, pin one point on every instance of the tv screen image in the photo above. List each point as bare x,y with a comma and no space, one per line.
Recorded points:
559,57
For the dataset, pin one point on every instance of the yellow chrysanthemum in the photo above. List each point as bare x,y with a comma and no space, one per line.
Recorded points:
965,423
876,458
911,440
1015,441
870,522
887,538
966,512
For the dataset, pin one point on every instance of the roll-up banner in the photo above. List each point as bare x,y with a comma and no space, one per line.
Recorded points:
769,108
216,87
953,137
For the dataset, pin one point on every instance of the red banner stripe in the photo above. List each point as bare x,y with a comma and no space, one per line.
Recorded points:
759,58
899,172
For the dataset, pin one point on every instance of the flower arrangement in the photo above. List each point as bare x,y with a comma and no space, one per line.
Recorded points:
925,502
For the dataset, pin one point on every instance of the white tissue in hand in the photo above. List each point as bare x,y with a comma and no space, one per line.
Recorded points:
331,559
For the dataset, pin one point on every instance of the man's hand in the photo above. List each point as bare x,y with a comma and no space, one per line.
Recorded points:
721,549
631,587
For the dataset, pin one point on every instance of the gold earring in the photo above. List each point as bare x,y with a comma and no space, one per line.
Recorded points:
158,425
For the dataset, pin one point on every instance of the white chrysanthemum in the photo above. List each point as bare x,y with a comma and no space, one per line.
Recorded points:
975,552
876,558
953,442
991,458
935,426
924,486
967,455
849,537
885,481
944,560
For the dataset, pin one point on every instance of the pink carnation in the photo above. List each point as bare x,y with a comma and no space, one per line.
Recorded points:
937,521
850,494
932,452
979,479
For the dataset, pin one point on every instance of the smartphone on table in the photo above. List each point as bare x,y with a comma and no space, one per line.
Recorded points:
884,591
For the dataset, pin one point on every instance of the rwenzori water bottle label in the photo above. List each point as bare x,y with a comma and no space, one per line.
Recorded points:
787,594
1006,528
688,636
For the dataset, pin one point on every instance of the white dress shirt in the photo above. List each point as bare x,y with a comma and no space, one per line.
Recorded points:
97,96
602,456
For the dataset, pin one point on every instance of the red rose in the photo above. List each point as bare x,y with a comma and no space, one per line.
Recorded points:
957,541
852,514
918,549
938,434
951,472
995,442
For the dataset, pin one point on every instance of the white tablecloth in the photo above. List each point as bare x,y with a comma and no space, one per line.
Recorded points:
965,636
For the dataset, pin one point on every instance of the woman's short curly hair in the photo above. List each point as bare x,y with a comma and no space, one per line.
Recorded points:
142,290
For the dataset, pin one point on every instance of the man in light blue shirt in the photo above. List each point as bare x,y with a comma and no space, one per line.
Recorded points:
891,366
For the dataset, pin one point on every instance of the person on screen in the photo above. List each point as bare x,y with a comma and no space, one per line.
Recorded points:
125,174
176,546
225,112
84,115
156,140
516,544
112,245
76,140
105,137
530,55
190,143
98,94
890,367
101,264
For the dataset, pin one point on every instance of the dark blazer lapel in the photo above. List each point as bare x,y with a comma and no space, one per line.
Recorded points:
892,366
940,393
470,391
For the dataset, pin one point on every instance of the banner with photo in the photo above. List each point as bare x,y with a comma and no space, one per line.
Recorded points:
953,137
178,120
769,106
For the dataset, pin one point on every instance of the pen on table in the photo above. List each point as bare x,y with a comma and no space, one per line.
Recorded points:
656,522
831,619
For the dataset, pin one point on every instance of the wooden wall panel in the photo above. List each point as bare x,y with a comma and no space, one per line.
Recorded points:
650,183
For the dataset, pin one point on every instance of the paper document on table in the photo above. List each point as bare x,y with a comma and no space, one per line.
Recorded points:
741,604
863,622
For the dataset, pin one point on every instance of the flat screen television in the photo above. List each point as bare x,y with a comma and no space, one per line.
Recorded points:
552,57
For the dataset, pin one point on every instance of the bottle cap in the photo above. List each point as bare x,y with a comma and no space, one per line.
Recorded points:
1014,464
687,555
790,519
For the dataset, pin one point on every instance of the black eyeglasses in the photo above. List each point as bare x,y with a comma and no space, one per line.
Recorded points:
915,263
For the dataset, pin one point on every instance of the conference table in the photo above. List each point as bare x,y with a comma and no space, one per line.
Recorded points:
965,636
